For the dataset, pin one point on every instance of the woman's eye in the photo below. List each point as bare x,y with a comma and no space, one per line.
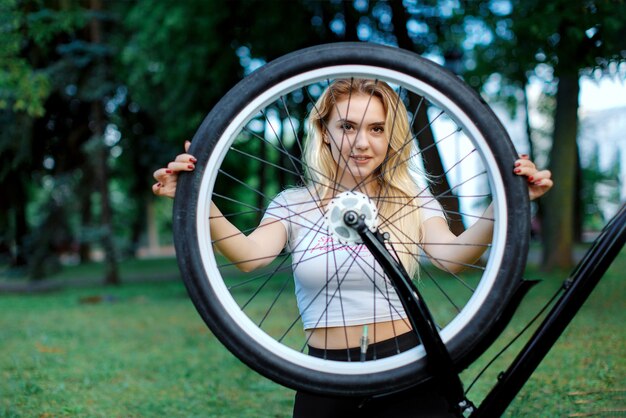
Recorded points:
346,126
378,129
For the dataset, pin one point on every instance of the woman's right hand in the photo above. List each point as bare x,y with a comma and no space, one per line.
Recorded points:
167,177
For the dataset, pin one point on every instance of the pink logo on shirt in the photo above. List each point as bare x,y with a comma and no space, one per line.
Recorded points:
327,244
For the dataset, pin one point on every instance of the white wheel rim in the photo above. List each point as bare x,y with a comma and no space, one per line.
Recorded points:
209,262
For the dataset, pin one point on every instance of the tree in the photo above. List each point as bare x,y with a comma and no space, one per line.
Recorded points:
189,54
571,39
54,127
441,25
98,120
26,31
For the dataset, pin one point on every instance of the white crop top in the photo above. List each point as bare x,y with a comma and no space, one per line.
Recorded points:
333,287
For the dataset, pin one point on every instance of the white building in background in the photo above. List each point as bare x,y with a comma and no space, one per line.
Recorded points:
605,130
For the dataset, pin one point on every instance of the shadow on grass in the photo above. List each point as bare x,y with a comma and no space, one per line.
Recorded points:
92,274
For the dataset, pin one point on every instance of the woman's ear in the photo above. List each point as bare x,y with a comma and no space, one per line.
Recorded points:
325,137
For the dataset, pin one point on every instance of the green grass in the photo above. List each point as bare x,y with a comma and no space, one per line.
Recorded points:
141,350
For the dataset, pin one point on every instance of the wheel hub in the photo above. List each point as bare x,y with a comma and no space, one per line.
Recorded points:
357,203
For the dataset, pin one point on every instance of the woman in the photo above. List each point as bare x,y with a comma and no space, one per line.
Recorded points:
357,141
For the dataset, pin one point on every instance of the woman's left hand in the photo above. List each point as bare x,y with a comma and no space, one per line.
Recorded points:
539,181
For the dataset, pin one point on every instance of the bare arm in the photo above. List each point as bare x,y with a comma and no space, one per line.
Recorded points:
453,253
247,252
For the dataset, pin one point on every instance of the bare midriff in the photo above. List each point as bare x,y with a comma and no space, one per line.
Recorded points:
349,337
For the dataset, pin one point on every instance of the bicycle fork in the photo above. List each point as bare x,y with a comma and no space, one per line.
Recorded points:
438,358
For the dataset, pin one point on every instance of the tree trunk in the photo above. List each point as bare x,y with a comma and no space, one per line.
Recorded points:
106,218
349,16
17,194
536,226
98,119
529,130
86,219
21,225
578,202
433,165
153,231
426,142
261,202
399,19
558,221
138,225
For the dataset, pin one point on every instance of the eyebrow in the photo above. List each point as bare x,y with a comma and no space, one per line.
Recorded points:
357,123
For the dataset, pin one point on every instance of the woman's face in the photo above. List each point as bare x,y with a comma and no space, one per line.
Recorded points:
357,137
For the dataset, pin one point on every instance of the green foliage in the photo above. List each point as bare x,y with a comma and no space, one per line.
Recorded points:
21,89
180,58
554,42
52,73
24,81
158,68
538,37
177,62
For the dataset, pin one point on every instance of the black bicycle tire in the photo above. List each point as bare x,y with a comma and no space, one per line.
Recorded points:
463,350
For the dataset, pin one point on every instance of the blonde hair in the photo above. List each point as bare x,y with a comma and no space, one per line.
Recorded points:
397,205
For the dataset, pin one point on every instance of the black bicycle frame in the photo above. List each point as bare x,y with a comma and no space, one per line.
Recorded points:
578,287
438,358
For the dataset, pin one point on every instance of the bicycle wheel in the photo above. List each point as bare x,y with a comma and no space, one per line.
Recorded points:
249,149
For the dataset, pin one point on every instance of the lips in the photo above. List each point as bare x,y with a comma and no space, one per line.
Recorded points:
361,158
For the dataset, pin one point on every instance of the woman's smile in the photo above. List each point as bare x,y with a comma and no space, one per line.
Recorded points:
361,159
